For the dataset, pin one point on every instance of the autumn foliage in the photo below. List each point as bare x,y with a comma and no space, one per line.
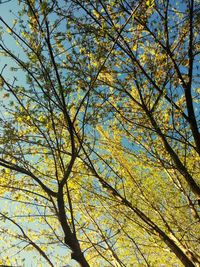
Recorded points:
99,134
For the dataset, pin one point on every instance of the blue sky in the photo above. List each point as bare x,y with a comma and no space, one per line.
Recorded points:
8,11
7,7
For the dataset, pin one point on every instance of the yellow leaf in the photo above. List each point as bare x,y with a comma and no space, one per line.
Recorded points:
150,3
8,30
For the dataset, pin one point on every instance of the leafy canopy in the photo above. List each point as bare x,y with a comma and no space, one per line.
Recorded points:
99,134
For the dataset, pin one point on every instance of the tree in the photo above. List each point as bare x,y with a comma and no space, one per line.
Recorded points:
100,134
